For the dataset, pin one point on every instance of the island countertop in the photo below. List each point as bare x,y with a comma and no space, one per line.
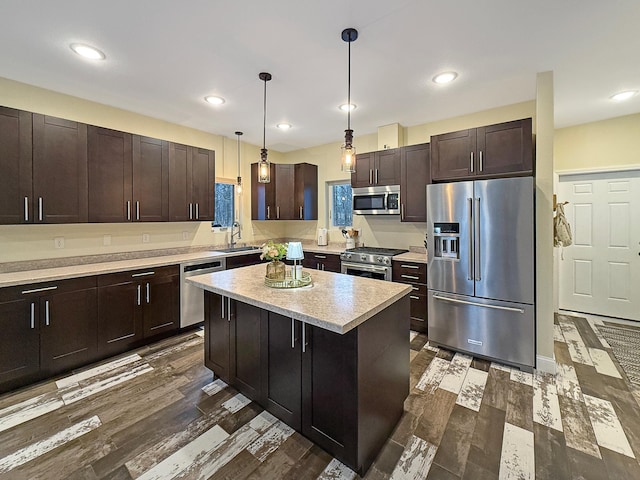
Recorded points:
335,301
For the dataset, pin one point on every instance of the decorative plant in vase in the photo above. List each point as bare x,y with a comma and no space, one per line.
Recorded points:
274,252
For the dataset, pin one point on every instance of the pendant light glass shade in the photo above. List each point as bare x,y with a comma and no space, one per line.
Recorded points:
264,168
239,181
348,150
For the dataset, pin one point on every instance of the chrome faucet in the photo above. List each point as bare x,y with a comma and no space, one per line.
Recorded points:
232,242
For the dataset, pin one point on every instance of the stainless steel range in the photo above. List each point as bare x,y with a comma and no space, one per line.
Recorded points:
370,262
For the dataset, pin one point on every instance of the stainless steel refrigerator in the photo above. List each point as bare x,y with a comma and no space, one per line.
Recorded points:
481,268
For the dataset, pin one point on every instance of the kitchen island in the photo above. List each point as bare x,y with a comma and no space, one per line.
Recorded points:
331,360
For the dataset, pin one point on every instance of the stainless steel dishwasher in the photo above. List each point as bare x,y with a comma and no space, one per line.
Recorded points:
192,298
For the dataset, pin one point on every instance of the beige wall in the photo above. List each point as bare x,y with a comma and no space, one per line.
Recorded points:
27,242
381,230
605,144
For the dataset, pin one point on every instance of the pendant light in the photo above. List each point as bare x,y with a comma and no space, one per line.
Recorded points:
239,182
264,169
348,150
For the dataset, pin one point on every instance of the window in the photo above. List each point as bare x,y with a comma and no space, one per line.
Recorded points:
340,208
224,216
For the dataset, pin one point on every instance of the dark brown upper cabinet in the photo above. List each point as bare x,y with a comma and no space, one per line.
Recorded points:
128,177
306,192
150,179
191,183
60,187
44,169
377,168
500,150
415,168
16,192
291,194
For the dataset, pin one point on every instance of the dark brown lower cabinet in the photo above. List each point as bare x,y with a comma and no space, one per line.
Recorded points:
415,274
217,321
344,392
136,305
322,261
47,329
282,368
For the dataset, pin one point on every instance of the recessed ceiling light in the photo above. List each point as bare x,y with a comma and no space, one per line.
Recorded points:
284,126
445,77
618,97
346,107
213,100
87,52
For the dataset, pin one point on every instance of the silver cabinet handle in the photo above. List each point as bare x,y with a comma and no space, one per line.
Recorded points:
370,176
293,333
414,297
47,319
148,293
137,210
222,306
415,288
304,337
228,309
33,315
139,300
128,209
471,162
278,212
26,209
402,211
143,274
376,176
470,268
415,267
477,240
268,213
318,266
197,211
411,277
475,304
320,256
42,289
480,160
323,266
191,211
40,208
301,216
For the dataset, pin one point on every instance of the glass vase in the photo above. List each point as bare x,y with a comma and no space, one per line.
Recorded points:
275,270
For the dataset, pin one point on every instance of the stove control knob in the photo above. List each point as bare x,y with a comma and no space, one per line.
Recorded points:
363,258
380,259
347,256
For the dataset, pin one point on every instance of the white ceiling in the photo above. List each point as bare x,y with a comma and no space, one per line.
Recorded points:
164,56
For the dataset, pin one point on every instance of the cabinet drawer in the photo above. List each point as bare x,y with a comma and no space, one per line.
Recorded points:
137,275
45,288
418,306
238,261
409,272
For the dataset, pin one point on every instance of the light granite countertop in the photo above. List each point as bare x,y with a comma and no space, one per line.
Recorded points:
411,257
85,270
334,301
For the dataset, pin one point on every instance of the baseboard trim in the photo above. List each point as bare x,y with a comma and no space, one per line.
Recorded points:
545,364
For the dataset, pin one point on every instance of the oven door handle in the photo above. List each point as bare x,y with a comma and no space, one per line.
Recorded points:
364,267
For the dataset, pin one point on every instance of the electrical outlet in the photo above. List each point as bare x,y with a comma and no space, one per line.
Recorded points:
145,238
106,240
185,235
58,242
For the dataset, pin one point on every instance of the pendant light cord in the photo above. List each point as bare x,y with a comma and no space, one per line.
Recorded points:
349,89
264,117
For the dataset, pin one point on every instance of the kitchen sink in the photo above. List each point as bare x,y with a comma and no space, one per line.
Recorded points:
239,249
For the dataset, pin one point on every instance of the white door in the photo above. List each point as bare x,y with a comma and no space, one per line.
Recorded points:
600,273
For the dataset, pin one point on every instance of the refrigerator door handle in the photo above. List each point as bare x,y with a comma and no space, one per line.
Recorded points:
475,304
470,267
477,240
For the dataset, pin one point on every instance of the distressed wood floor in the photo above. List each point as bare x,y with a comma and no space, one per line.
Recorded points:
156,413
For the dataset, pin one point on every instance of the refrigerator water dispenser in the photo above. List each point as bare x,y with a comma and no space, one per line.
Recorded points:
446,237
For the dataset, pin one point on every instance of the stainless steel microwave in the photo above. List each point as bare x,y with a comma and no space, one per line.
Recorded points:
379,200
